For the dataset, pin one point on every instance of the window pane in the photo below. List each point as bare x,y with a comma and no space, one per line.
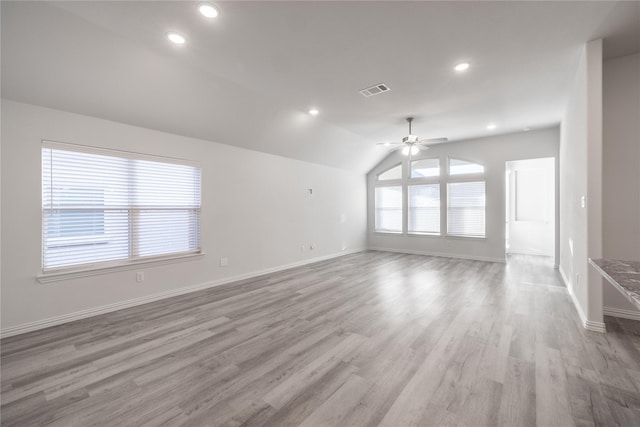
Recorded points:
164,232
461,167
389,209
72,238
393,173
99,206
424,208
466,209
425,168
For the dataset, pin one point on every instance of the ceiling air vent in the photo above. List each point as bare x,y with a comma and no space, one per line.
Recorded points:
375,90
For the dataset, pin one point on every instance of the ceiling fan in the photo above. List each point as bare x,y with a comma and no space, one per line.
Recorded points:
411,144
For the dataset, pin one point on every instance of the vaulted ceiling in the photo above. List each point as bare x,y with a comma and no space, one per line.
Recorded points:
248,77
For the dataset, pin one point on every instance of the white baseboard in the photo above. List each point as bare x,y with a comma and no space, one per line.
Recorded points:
83,314
438,254
595,326
587,324
625,314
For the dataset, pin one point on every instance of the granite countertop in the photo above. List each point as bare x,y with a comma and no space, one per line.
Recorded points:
624,275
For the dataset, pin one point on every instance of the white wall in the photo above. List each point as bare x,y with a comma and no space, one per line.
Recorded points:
493,152
255,210
621,171
581,176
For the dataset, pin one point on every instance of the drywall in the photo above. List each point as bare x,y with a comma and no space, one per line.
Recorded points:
621,174
255,210
580,187
493,152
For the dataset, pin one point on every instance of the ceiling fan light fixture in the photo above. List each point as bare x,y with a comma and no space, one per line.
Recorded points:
414,150
405,150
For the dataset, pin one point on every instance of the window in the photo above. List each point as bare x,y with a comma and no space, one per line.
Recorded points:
388,205
108,208
425,168
424,208
393,173
462,167
466,209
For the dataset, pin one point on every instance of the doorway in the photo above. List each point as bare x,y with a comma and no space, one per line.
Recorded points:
530,207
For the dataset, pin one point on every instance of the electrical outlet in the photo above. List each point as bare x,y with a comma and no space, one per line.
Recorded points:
224,261
140,276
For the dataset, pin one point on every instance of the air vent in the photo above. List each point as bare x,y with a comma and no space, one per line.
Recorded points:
375,90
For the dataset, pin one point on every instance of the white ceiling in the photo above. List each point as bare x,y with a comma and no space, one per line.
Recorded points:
248,77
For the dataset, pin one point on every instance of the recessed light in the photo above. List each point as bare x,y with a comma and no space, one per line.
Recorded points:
208,10
526,129
314,112
176,38
386,144
492,126
463,66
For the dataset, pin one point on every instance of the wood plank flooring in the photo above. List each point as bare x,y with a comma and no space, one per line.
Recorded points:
367,339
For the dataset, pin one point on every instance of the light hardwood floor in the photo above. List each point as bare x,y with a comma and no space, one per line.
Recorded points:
368,339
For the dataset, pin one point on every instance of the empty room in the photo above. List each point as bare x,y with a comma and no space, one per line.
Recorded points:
320,213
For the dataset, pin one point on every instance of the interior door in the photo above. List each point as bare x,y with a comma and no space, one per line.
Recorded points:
531,206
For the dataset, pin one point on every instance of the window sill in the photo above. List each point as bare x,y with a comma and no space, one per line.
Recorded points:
414,233
57,276
460,236
395,233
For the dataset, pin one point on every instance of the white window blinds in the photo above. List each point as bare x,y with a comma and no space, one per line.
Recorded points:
466,208
389,209
110,207
424,208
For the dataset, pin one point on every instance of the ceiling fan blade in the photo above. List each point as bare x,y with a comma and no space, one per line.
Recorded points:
389,143
423,147
433,141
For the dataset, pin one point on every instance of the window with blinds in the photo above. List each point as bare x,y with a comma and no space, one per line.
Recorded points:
424,208
466,208
103,207
388,205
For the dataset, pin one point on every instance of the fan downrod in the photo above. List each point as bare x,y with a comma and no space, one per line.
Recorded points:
409,120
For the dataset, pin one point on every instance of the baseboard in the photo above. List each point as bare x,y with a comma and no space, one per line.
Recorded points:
587,324
624,314
438,254
595,326
78,315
